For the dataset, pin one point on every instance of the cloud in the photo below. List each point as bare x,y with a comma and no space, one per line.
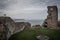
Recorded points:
27,9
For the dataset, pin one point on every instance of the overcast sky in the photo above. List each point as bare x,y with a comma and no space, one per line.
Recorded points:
27,9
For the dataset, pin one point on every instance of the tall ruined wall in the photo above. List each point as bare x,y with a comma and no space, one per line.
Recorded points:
7,27
52,18
53,14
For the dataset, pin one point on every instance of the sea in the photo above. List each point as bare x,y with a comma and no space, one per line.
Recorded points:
35,22
32,22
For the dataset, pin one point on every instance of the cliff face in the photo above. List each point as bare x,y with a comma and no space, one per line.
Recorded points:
7,27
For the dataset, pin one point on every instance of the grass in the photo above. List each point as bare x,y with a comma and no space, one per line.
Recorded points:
31,34
59,23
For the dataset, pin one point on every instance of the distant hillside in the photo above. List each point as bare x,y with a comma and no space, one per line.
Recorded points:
33,22
19,20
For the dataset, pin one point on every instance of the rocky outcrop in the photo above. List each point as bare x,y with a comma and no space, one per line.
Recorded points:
7,27
42,37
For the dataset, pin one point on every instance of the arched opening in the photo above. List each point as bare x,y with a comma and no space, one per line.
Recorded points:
0,22
45,24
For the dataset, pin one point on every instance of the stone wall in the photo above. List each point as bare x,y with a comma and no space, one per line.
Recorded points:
7,27
52,18
20,25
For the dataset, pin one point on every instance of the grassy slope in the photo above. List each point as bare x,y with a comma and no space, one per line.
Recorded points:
31,34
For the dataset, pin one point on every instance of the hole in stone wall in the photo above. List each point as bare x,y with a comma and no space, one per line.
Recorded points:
45,25
0,22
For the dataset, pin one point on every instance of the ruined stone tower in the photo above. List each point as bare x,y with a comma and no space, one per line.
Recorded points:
52,17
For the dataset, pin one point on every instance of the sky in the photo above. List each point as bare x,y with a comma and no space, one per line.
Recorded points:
27,9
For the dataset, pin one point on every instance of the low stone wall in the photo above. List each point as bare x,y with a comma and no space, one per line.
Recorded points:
42,37
20,25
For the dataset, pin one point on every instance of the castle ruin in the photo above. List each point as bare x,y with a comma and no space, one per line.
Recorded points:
52,18
9,27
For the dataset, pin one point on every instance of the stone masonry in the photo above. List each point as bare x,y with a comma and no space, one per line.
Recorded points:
52,18
7,27
19,25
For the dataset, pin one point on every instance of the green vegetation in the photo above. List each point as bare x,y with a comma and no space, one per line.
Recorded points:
31,34
59,23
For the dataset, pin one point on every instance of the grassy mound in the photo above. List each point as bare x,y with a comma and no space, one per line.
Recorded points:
31,34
